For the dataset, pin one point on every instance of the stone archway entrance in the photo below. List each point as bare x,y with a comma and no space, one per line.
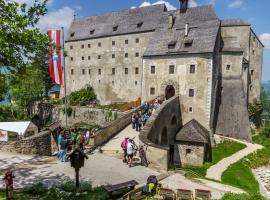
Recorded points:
169,92
172,87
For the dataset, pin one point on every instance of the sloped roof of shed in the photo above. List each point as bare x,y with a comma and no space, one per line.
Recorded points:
193,131
203,29
126,22
17,127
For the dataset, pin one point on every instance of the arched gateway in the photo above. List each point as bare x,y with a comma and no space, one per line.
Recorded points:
169,92
170,88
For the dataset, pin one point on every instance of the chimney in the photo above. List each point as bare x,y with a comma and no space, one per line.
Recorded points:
186,29
183,6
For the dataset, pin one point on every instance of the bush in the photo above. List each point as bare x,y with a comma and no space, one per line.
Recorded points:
65,191
36,189
82,97
71,187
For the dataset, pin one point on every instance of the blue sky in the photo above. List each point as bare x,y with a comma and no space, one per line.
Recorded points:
255,12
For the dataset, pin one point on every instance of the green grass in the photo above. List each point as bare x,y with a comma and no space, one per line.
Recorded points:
242,197
220,151
240,175
261,157
2,196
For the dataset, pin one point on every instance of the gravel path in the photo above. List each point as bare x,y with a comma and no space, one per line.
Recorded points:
99,169
215,172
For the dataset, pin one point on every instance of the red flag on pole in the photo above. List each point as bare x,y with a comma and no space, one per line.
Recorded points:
55,56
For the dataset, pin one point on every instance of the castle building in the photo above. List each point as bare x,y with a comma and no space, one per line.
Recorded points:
213,65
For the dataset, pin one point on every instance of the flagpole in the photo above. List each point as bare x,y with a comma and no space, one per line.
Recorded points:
64,69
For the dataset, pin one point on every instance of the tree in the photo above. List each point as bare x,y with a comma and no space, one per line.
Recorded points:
265,100
19,36
20,39
26,87
3,87
255,110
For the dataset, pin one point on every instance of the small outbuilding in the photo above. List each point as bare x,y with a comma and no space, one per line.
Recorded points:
193,144
10,131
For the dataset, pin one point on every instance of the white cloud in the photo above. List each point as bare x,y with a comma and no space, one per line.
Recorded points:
213,2
168,5
192,3
31,2
57,19
265,38
236,4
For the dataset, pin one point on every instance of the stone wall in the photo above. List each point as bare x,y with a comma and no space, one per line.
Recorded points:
233,118
157,143
192,107
114,127
191,154
40,144
120,86
85,114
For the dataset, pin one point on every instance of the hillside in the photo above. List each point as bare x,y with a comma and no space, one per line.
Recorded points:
266,86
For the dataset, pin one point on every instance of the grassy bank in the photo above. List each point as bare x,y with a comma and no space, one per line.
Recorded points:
240,175
220,151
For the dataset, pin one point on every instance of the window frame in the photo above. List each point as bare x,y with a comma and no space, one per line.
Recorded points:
170,67
152,69
152,91
126,71
192,69
191,92
136,70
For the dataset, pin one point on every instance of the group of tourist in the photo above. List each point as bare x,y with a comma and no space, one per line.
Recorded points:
140,118
70,139
129,148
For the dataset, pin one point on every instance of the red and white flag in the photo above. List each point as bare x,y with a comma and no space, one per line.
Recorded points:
55,56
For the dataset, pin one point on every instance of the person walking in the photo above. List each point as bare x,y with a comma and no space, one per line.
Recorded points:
124,147
137,122
140,121
59,140
133,120
130,151
87,136
145,118
63,150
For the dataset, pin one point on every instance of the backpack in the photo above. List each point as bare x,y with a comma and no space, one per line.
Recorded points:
145,189
124,144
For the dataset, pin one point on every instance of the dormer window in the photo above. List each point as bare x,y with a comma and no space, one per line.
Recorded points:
188,42
139,25
72,34
92,31
115,28
171,45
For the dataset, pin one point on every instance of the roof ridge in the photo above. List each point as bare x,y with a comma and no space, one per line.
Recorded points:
119,11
